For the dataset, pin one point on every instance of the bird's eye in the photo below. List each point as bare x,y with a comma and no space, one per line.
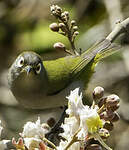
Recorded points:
38,68
20,62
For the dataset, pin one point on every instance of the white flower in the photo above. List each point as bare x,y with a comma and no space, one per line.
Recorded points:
87,117
74,103
70,126
90,121
32,143
33,130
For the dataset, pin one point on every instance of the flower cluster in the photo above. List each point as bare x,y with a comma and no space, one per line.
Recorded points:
84,128
32,137
86,124
65,26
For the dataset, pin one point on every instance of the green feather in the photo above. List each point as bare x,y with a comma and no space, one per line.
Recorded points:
61,72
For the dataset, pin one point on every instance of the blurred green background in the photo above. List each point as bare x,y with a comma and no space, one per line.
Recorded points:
24,25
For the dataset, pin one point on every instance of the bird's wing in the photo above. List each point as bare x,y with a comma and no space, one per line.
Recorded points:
94,54
58,72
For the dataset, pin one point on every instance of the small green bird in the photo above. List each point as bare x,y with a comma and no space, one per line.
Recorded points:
39,85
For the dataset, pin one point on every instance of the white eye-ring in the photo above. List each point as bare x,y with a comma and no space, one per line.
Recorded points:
38,68
20,62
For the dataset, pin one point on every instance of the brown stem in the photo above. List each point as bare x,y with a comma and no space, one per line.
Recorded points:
49,142
73,140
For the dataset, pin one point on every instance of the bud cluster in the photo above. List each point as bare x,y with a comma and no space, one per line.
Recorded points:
110,104
56,10
65,26
107,110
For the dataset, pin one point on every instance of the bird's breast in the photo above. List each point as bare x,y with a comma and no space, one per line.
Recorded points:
28,89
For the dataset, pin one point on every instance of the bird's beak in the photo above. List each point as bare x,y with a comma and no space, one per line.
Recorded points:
28,69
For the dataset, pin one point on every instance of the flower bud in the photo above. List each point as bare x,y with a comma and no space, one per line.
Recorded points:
66,13
54,27
51,122
115,118
98,92
102,101
59,46
56,10
75,28
103,115
112,100
114,108
107,115
110,113
94,147
108,126
76,33
62,27
73,22
63,15
104,133
53,8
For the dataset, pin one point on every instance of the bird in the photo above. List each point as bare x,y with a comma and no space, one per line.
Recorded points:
45,84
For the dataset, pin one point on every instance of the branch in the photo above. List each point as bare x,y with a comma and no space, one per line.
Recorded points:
121,27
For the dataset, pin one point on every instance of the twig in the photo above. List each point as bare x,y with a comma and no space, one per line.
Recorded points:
73,140
69,35
121,27
50,143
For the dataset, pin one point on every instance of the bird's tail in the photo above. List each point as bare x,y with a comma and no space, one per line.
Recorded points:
100,50
107,51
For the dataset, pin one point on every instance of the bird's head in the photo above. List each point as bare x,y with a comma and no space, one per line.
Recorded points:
26,65
27,79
